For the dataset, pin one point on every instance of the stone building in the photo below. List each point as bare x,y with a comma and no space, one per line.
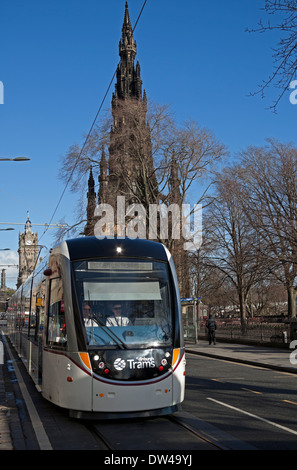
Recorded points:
28,252
121,172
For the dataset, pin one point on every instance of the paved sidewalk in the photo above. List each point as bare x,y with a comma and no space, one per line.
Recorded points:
273,358
5,435
11,432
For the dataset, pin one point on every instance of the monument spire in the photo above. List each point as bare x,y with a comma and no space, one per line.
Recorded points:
128,83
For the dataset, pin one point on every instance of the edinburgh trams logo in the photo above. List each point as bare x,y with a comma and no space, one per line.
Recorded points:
137,363
119,364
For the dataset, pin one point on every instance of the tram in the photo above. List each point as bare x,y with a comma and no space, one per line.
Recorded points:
104,334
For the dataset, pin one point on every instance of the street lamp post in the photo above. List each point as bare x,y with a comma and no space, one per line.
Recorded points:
16,159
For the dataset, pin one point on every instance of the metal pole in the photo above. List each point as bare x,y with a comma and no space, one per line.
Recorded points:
196,320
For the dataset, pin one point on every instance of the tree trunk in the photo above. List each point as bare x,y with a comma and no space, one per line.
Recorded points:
291,302
242,307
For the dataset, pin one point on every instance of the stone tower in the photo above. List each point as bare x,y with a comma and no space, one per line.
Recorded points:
130,147
3,279
129,83
121,172
28,252
91,197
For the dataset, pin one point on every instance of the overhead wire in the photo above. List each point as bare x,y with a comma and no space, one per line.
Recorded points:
89,133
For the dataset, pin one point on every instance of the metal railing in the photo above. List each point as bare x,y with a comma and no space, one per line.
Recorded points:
262,332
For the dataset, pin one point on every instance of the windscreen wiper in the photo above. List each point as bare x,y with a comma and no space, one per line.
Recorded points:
110,333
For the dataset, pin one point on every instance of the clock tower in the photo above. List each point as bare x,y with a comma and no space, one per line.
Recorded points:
28,252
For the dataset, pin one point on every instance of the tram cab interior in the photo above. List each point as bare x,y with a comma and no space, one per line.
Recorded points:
124,303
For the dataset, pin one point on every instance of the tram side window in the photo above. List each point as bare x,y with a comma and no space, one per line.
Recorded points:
56,331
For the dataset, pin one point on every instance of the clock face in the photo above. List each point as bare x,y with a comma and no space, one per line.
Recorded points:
29,242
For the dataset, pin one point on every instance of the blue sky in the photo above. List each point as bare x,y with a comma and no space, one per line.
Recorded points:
57,59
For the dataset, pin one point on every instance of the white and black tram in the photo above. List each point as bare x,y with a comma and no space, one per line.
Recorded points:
98,326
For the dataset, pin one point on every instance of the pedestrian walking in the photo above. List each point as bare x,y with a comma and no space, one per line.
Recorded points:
211,326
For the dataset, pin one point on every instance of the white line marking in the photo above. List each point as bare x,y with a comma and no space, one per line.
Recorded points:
255,416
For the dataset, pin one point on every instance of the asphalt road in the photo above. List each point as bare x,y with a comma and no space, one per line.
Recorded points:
253,404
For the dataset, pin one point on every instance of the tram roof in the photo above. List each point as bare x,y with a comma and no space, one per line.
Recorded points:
92,247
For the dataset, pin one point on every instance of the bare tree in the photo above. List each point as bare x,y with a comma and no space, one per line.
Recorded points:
235,251
284,12
269,199
267,297
208,282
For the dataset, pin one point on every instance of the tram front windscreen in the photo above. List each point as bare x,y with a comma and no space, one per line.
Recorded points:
124,303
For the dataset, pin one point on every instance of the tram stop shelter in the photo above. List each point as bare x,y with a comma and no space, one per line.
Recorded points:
192,314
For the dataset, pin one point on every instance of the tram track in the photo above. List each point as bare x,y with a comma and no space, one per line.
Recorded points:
158,434
197,433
